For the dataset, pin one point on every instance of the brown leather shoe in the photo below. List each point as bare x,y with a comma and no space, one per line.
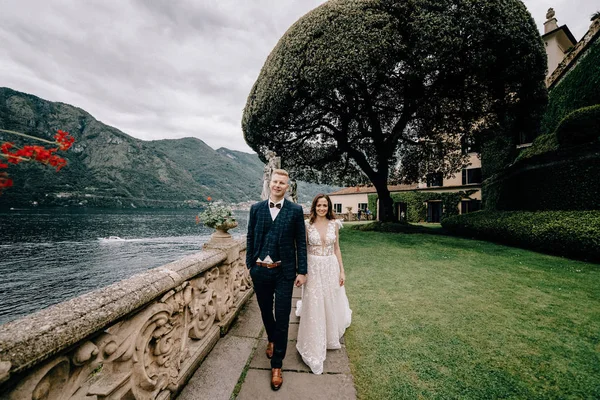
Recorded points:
270,349
276,378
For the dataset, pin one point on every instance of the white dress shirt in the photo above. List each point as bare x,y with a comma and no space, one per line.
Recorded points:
274,210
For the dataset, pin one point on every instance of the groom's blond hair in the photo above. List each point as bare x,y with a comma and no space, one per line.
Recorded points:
280,172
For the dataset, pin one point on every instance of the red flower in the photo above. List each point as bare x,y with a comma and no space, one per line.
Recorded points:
42,154
33,153
13,159
64,140
209,198
6,146
57,162
5,182
26,151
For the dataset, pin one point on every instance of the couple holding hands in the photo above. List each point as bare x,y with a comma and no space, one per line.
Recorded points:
283,251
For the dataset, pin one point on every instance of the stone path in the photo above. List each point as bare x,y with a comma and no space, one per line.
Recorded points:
239,358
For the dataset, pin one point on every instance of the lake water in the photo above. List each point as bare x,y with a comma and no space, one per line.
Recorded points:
51,255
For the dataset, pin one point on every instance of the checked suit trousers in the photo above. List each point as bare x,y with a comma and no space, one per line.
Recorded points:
270,284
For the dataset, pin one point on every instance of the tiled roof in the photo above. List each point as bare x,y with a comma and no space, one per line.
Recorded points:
371,189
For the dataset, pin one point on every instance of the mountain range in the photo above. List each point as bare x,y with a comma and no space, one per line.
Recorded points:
108,168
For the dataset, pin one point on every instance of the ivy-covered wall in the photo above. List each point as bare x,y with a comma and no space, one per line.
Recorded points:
565,179
559,172
416,208
497,152
579,88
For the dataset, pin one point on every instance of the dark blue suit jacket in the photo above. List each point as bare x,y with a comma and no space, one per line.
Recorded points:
292,241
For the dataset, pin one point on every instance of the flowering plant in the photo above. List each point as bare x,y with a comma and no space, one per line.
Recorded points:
215,216
14,155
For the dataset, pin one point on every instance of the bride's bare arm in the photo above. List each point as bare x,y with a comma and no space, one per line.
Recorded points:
307,244
338,255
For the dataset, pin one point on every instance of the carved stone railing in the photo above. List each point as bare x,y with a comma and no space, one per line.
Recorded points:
141,338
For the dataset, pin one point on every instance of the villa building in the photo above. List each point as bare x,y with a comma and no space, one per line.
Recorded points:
356,197
467,181
577,52
557,40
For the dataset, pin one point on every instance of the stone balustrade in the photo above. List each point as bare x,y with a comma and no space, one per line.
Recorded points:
141,338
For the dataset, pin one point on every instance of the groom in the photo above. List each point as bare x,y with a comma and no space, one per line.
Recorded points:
276,251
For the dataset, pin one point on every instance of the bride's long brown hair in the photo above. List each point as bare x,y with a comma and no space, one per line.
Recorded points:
313,208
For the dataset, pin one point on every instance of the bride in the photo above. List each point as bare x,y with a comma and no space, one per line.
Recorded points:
324,311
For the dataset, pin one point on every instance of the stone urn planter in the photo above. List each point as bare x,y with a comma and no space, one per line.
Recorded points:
221,231
220,218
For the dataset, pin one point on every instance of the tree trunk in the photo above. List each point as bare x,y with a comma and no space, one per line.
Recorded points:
385,209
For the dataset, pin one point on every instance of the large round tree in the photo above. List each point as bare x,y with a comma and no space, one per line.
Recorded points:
380,91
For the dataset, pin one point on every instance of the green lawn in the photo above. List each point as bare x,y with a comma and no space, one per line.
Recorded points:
443,317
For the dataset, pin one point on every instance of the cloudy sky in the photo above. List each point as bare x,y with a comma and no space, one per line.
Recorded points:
165,68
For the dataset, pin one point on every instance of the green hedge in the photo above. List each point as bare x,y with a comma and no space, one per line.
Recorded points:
542,144
573,234
372,204
579,127
415,203
396,227
579,88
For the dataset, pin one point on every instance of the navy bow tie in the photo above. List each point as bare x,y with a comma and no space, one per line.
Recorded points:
271,205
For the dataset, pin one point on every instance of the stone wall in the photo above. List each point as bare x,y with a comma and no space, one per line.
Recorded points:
141,338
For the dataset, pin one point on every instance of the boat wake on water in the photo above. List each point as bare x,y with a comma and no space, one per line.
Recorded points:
157,240
112,239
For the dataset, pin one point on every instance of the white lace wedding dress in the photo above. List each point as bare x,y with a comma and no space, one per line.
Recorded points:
325,313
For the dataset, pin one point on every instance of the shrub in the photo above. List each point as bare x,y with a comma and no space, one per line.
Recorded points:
416,202
396,227
579,127
541,144
573,234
